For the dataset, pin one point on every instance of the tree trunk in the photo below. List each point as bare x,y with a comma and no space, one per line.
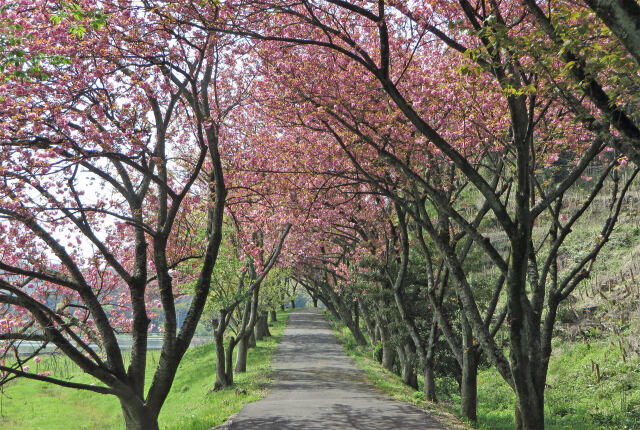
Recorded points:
229,362
429,376
529,418
347,318
137,416
430,382
409,377
356,314
293,304
262,327
388,356
469,383
265,325
368,322
622,18
241,356
282,307
273,316
242,339
527,365
529,406
258,332
357,333
315,301
221,374
251,324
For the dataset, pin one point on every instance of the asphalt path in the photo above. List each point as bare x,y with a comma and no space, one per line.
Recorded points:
317,386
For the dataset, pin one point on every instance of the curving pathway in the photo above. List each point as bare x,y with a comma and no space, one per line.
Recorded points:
317,386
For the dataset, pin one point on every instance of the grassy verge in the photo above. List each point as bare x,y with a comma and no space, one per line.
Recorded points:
574,398
388,382
34,405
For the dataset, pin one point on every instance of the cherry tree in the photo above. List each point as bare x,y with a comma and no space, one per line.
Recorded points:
95,193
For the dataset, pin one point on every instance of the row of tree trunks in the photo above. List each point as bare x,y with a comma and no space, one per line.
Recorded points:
343,309
247,335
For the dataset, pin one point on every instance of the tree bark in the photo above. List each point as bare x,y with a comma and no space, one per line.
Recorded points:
368,322
221,375
229,362
246,338
222,380
356,314
137,416
242,339
345,313
293,304
258,332
430,382
409,376
273,316
251,341
265,325
241,355
357,333
469,383
429,375
529,414
262,327
315,301
388,356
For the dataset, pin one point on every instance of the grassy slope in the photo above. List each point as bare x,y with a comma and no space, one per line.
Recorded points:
573,398
35,405
390,383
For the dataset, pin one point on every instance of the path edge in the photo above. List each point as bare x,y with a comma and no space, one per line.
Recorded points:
442,415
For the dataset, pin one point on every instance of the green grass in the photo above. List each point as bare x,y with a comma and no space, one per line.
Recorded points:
573,398
390,383
36,405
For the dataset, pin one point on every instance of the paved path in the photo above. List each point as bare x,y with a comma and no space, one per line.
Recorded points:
317,386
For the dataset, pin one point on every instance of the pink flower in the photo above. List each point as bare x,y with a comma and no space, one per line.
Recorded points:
563,217
37,360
